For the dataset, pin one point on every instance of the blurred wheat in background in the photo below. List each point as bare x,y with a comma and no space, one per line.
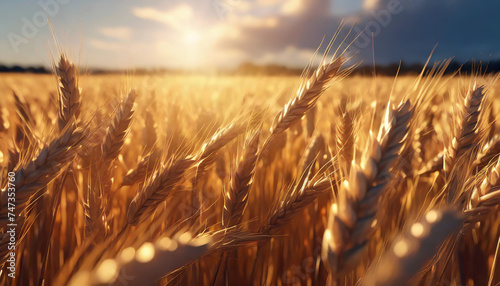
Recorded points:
240,180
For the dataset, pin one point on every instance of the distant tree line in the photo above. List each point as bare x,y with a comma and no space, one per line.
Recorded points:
465,68
248,68
388,70
20,69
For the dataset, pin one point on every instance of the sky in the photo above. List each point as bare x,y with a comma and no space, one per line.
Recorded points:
224,33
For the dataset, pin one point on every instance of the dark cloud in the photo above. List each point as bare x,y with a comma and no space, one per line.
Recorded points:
462,28
303,31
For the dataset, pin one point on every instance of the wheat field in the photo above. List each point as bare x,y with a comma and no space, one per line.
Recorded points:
326,179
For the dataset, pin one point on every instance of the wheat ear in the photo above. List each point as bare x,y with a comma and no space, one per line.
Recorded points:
157,189
117,131
209,151
97,206
207,156
36,174
488,153
140,172
235,201
306,97
422,135
294,202
345,138
411,250
25,136
23,111
69,93
351,219
465,135
146,264
487,195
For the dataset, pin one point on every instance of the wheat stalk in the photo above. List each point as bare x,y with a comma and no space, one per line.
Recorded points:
97,206
207,156
235,200
351,219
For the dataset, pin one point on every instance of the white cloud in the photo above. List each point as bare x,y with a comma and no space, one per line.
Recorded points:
293,7
177,18
274,31
222,31
121,33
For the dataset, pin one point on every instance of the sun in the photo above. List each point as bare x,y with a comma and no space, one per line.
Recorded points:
192,37
371,4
